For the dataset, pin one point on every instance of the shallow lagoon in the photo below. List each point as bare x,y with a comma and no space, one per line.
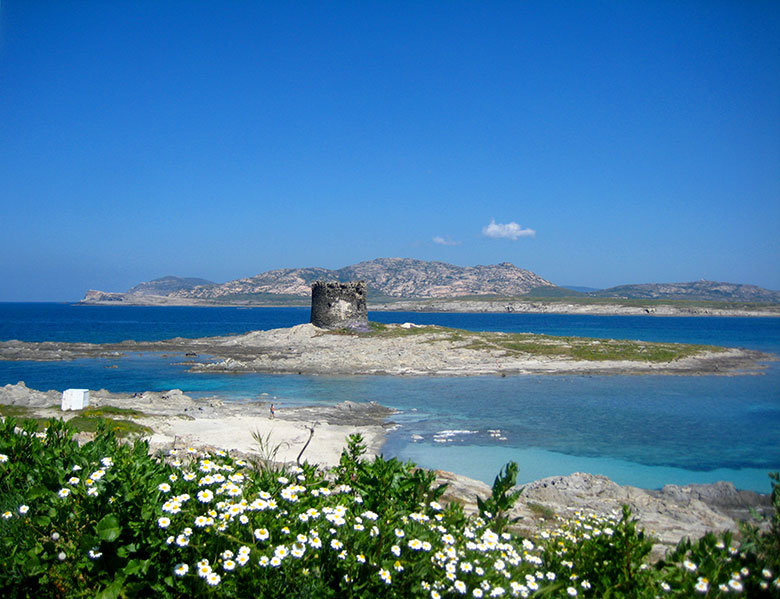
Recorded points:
640,430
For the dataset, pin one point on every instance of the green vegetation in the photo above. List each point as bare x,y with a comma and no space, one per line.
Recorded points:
89,420
123,428
259,299
108,520
529,344
541,511
7,411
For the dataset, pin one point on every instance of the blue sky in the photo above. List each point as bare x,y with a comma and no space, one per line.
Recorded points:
595,143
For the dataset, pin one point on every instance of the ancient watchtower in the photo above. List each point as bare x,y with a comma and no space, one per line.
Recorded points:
339,305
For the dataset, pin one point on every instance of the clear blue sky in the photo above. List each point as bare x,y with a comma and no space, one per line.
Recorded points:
606,142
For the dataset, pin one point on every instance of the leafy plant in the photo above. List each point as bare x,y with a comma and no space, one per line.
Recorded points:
496,508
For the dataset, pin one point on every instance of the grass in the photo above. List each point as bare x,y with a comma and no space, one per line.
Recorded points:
529,344
587,349
123,428
540,510
86,421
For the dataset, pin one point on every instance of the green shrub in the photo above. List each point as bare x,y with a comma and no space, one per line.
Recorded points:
107,520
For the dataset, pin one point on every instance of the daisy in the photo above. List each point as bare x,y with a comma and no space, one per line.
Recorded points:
181,569
261,534
203,569
201,521
735,585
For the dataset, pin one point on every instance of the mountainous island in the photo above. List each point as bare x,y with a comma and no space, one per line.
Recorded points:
418,285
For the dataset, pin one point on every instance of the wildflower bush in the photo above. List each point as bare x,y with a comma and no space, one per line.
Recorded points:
106,519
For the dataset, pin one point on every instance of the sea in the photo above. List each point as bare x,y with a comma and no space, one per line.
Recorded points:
640,430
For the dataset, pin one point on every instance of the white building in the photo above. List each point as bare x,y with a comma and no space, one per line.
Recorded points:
75,399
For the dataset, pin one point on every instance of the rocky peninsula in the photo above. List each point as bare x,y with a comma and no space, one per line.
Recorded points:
318,435
413,350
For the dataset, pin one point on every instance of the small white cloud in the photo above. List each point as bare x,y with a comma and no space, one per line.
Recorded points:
443,241
506,231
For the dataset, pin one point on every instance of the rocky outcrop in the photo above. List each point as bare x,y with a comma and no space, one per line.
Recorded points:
101,297
167,285
668,515
21,395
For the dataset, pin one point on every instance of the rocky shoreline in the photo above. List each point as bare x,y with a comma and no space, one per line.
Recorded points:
669,514
456,305
406,350
564,307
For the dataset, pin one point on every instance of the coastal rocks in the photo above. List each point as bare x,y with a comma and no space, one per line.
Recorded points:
520,306
664,516
339,305
21,395
724,496
668,515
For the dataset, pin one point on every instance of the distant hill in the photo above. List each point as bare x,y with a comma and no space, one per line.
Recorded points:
580,289
166,285
385,278
553,292
391,279
698,291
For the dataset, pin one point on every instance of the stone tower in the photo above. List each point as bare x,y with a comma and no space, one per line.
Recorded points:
339,305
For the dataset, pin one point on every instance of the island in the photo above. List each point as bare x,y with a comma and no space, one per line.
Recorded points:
413,350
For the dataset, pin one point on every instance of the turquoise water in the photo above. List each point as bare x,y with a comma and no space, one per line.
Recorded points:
639,430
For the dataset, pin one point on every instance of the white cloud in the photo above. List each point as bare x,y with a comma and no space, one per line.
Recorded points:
442,241
506,231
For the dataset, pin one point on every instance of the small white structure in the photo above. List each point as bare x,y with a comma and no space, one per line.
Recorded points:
75,399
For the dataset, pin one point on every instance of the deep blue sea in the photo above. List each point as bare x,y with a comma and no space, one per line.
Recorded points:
640,430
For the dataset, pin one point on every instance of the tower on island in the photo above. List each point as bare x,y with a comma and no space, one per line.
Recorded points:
339,305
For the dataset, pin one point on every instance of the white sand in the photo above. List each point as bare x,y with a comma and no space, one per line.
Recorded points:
286,437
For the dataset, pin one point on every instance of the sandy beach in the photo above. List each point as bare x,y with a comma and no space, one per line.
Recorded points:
180,421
